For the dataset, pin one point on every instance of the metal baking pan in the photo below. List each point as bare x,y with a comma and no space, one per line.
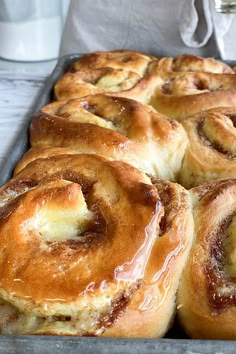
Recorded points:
176,342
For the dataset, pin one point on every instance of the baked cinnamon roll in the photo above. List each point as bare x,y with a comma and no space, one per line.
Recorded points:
190,93
128,60
90,247
167,66
117,73
207,292
211,152
113,82
116,128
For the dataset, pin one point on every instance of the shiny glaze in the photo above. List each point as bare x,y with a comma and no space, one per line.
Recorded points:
125,265
77,258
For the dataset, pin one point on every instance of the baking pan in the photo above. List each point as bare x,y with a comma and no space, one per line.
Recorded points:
33,344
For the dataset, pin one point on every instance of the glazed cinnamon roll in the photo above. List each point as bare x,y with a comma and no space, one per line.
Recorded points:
168,66
190,93
116,128
128,60
211,152
90,247
207,292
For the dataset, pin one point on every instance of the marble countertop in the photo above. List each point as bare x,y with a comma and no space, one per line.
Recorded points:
20,84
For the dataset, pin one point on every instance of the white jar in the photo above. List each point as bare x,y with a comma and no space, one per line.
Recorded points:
30,30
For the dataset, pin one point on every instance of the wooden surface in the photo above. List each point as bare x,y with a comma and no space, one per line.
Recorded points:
17,95
20,84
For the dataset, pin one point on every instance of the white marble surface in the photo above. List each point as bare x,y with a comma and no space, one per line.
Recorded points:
20,84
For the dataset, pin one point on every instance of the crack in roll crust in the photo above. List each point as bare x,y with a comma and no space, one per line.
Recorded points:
80,249
207,292
211,152
116,128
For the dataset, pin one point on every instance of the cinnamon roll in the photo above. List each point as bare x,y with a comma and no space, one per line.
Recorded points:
117,73
113,82
90,247
190,93
128,60
207,291
116,128
211,152
168,66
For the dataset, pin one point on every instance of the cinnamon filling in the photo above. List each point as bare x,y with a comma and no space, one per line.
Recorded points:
213,144
117,307
233,118
221,285
167,198
166,89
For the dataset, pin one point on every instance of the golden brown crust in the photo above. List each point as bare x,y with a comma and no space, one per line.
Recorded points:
113,82
40,153
207,292
168,66
116,128
211,152
190,93
117,73
90,272
128,60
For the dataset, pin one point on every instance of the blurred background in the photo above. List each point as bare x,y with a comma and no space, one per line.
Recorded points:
30,31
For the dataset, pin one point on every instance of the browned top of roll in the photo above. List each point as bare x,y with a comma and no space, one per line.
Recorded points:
118,59
168,66
190,93
113,82
40,153
116,128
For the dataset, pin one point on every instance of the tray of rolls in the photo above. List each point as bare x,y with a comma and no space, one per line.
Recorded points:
118,204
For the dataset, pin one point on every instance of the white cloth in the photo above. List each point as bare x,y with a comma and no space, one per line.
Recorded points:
160,27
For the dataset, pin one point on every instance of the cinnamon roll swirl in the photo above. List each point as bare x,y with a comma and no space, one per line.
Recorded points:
116,128
168,66
190,93
90,247
113,82
211,152
117,73
207,292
